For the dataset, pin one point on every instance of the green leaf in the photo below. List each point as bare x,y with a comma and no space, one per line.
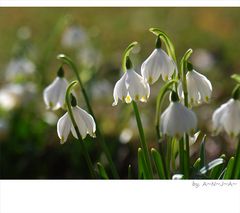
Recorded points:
202,152
158,163
102,171
142,166
166,40
229,169
236,77
126,54
211,165
196,165
216,171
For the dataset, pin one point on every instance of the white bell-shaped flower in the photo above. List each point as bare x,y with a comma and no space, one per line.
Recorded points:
131,86
85,124
227,117
54,94
198,86
158,64
177,119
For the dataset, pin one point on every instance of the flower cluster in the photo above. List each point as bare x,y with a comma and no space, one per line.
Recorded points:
177,119
54,98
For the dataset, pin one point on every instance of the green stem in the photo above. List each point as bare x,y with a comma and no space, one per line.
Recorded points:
142,138
187,158
168,157
236,168
69,62
185,92
161,94
181,155
82,144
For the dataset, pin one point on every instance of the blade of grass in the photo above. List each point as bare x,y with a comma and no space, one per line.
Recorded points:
102,171
143,165
229,169
158,163
202,152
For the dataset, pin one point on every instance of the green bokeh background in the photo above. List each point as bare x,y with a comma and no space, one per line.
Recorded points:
30,147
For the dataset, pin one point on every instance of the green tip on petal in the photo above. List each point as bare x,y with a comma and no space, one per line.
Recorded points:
150,80
62,140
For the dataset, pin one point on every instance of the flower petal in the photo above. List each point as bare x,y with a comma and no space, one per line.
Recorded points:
54,94
120,90
63,127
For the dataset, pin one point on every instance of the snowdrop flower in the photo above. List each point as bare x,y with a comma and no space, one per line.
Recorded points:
54,94
74,37
198,86
158,63
131,86
85,123
177,119
227,117
19,67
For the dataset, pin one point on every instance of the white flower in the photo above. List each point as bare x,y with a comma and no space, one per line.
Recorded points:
227,117
130,87
85,124
74,37
177,120
54,94
19,67
158,63
198,86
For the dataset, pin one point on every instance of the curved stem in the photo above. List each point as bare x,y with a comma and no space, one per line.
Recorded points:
82,144
70,63
142,138
185,147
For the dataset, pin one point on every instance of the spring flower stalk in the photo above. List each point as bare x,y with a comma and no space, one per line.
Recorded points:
71,103
69,62
135,89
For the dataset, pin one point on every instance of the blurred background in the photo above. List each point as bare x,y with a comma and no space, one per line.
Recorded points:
95,38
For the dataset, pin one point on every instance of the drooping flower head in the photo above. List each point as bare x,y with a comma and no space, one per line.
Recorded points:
227,116
131,86
84,121
54,94
198,86
177,119
158,64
